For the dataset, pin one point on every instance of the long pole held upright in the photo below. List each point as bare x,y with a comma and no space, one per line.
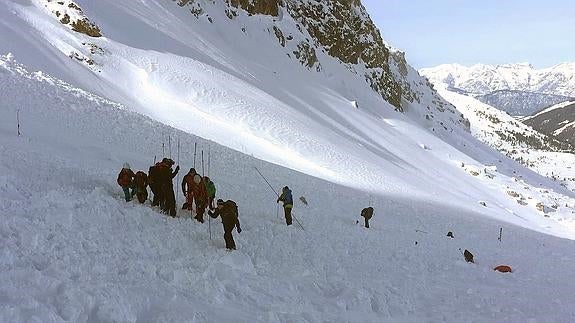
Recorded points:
195,148
170,145
178,178
203,164
209,158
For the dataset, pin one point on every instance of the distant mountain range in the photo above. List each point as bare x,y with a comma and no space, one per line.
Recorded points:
518,89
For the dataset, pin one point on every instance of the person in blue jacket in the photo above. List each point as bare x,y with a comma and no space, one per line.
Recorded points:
287,199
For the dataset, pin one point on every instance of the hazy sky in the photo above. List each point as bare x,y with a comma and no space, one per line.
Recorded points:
433,32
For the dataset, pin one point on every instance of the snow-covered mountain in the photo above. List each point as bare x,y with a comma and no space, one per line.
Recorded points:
308,92
73,250
521,103
557,121
518,89
543,152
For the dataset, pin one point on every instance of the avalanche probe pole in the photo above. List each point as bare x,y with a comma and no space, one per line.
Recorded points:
257,170
178,178
195,148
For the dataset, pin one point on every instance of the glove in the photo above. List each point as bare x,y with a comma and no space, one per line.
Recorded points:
278,200
177,168
239,230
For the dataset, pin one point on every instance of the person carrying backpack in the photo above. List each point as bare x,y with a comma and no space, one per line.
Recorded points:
228,211
210,191
166,175
126,181
200,197
287,199
187,183
141,184
155,185
367,214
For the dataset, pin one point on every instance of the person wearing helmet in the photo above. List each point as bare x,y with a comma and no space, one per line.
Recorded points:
228,211
126,181
166,175
287,199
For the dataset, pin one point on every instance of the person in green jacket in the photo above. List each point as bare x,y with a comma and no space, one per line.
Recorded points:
211,191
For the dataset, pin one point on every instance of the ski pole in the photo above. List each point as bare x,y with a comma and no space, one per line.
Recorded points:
170,145
297,221
257,170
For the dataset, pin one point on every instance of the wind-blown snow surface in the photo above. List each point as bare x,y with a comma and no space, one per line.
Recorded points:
73,250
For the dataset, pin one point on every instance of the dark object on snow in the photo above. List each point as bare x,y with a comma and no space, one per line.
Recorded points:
367,214
450,234
228,211
503,269
468,256
416,243
303,200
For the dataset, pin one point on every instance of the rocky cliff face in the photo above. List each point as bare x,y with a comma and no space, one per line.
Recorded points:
343,30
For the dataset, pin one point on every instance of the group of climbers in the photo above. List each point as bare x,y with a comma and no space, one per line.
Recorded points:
199,191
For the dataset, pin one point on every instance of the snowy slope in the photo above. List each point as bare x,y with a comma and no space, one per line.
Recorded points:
161,61
72,250
545,154
518,89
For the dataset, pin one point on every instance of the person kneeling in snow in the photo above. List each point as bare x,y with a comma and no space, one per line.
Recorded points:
126,181
228,211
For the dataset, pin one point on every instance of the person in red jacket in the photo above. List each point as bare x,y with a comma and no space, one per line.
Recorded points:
126,181
200,197
187,184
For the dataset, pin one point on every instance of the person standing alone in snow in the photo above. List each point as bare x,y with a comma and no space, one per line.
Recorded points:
126,181
367,213
228,211
287,199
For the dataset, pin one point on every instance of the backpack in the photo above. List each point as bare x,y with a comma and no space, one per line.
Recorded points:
231,211
367,212
141,179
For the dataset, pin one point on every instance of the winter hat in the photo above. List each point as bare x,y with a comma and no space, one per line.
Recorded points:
220,202
127,166
192,171
197,179
286,189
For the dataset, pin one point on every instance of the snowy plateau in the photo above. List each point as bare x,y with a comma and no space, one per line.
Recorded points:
116,80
